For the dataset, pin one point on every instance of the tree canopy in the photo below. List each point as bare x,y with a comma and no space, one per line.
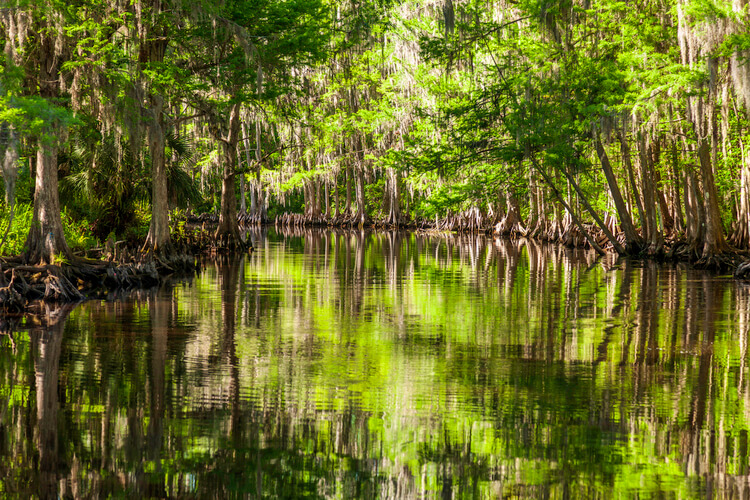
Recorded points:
603,123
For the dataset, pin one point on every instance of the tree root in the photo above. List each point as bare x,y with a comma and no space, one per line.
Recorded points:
25,285
728,261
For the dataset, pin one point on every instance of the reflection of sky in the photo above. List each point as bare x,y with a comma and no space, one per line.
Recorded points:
420,362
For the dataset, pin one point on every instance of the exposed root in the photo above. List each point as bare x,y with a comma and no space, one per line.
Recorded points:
25,285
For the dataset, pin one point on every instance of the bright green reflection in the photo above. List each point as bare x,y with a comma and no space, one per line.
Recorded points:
392,365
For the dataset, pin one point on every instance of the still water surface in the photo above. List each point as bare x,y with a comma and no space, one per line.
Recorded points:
391,365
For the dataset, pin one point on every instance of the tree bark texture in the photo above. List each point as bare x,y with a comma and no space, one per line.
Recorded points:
633,241
228,229
159,238
46,238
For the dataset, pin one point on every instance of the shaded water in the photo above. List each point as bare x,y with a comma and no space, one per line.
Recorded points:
353,365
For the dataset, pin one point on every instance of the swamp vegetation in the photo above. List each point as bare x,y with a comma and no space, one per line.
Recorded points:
146,138
611,125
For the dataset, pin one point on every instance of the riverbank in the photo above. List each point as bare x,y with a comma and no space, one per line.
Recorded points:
121,265
116,266
673,247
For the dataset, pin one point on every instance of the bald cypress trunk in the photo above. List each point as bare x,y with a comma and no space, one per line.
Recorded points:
741,234
228,230
652,233
633,241
46,238
394,198
159,238
348,206
152,48
714,241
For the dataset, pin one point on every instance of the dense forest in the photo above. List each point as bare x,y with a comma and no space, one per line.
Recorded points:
616,125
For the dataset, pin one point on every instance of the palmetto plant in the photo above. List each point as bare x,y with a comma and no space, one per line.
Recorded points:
111,180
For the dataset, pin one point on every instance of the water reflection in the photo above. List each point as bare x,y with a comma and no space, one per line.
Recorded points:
392,365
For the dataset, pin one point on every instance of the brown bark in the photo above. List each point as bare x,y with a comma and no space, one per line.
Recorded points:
676,198
359,171
741,233
581,195
158,238
562,201
327,196
307,195
348,206
394,198
251,168
627,161
714,242
228,231
152,48
243,202
512,223
667,221
693,209
318,198
633,241
336,200
651,230
360,191
46,240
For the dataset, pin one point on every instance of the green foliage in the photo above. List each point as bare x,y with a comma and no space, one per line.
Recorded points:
77,231
18,230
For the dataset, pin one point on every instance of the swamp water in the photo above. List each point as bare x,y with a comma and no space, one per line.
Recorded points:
388,365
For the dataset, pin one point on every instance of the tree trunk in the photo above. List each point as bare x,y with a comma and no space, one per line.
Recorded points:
666,216
676,199
652,233
153,41
741,235
253,195
348,207
360,188
694,227
633,241
258,185
327,195
394,193
228,231
46,239
569,210
336,200
714,242
512,222
615,244
627,161
243,202
317,202
158,237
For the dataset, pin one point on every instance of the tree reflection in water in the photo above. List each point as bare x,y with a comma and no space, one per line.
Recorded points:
393,365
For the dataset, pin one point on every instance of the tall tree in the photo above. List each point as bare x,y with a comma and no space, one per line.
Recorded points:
37,45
